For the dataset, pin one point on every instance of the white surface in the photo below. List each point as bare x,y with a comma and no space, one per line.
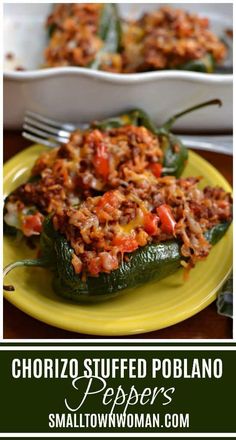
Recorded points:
76,94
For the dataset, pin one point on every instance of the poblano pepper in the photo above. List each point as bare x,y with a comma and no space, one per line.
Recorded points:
109,31
151,262
175,153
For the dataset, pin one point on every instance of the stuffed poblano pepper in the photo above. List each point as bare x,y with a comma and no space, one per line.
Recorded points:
131,235
97,36
116,152
86,35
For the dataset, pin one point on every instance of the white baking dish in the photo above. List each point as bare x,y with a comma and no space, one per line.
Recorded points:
78,94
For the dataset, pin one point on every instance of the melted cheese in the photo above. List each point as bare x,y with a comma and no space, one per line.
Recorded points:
136,222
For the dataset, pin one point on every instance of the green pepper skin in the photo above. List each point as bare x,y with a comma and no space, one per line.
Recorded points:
109,20
51,29
109,31
216,233
151,262
9,230
136,117
204,65
175,156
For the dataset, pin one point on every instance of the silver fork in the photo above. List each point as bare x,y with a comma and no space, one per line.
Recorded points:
46,131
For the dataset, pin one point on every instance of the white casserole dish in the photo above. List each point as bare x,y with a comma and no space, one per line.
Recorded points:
78,94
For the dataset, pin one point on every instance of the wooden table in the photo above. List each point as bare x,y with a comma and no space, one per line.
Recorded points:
206,324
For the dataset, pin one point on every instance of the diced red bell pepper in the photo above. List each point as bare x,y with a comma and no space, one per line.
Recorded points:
150,223
167,220
32,224
125,244
101,160
109,198
156,169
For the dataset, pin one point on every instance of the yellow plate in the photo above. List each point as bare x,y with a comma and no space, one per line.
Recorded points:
146,308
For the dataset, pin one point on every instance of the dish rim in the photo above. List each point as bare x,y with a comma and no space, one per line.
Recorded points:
118,78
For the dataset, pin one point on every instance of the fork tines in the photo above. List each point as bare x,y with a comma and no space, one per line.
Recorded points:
46,131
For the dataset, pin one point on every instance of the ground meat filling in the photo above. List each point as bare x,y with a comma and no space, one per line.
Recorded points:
90,163
162,39
105,229
172,37
137,205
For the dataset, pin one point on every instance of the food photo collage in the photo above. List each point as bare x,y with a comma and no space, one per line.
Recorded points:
118,171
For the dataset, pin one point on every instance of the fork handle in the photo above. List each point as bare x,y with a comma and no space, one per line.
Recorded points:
218,144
